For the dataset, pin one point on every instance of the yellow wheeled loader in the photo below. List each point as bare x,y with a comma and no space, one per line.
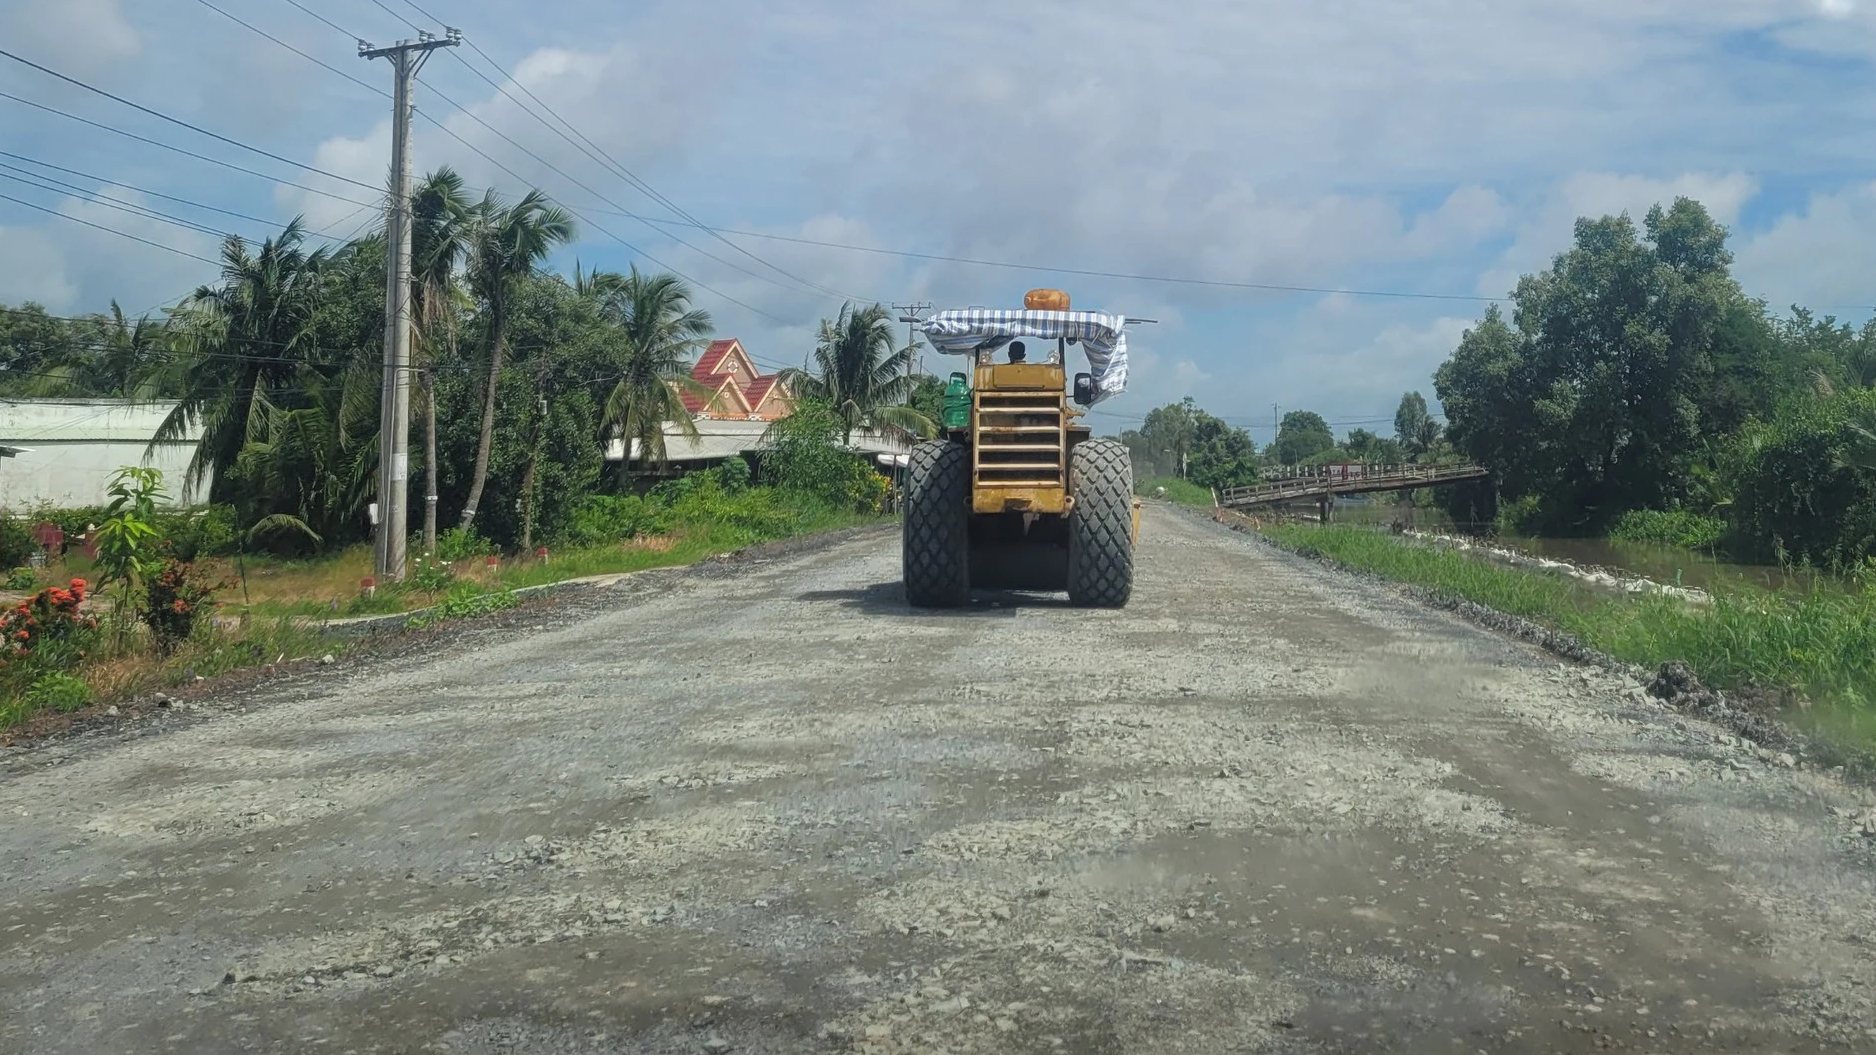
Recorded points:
1016,494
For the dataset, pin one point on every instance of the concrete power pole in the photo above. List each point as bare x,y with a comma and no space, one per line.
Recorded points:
911,312
407,57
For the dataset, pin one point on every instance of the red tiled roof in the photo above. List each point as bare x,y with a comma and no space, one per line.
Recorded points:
758,390
711,359
695,402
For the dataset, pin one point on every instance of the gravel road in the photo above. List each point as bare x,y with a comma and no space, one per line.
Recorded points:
1264,808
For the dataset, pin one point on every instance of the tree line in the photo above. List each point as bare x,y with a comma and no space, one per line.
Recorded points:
521,376
1634,377
1180,439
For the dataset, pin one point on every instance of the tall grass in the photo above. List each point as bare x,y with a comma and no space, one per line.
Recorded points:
1817,644
1674,527
1183,492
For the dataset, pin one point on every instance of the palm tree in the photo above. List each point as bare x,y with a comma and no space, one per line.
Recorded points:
239,341
442,216
506,244
659,332
857,371
313,466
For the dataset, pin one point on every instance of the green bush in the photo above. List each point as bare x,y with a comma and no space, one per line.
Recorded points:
457,543
22,579
16,542
600,519
1799,494
1677,527
58,691
199,533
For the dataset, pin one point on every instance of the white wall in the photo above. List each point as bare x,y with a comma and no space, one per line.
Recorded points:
66,475
74,446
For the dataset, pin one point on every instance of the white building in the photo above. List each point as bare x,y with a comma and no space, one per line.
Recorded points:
65,451
719,439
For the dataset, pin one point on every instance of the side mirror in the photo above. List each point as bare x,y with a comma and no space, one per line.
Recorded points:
1084,389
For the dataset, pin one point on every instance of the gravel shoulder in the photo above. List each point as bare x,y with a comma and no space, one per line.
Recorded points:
762,806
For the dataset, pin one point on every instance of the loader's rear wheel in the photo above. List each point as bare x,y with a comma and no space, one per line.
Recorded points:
1100,526
937,526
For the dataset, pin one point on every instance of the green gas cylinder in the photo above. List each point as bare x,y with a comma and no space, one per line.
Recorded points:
957,413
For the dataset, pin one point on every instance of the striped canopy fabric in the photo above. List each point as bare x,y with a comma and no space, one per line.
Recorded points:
1102,337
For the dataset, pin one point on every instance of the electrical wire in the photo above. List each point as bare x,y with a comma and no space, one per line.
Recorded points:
317,62
145,190
180,122
108,230
31,179
179,150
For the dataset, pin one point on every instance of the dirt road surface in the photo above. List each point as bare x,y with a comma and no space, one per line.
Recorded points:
1265,808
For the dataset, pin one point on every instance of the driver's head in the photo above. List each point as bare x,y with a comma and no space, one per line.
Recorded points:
1017,351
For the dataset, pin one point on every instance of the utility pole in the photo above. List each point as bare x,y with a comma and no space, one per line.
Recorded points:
910,313
407,57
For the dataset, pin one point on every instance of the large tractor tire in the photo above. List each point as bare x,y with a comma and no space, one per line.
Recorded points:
1100,525
937,525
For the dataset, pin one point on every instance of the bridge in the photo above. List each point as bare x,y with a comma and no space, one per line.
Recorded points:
1323,483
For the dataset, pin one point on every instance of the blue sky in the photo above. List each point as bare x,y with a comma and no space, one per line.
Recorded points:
1412,146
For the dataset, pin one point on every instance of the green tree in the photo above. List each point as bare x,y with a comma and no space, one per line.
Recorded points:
859,372
1590,403
1302,435
242,342
658,333
1414,428
442,231
1221,456
507,244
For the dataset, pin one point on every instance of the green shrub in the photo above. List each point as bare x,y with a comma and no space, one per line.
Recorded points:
16,542
429,574
195,534
58,691
466,600
458,543
600,519
1677,527
173,599
22,579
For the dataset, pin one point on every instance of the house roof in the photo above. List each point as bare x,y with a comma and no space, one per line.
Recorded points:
722,438
758,390
719,384
712,358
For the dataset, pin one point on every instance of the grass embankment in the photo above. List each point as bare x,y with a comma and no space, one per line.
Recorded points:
1182,492
1819,644
271,610
331,586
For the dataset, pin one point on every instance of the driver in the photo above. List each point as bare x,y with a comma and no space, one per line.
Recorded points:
1017,351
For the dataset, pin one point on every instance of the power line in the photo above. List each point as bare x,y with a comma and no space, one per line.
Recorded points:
446,130
109,230
1128,276
180,122
550,166
607,161
327,21
333,69
180,150
144,190
31,179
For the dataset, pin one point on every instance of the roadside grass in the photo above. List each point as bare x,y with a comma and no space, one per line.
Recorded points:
1818,646
287,600
1183,492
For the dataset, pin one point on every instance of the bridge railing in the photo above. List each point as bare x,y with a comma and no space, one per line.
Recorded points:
1305,480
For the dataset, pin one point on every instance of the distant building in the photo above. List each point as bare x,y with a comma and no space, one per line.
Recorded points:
65,451
736,390
720,439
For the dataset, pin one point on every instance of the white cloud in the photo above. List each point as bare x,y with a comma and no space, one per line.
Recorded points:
1821,257
1548,230
81,37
